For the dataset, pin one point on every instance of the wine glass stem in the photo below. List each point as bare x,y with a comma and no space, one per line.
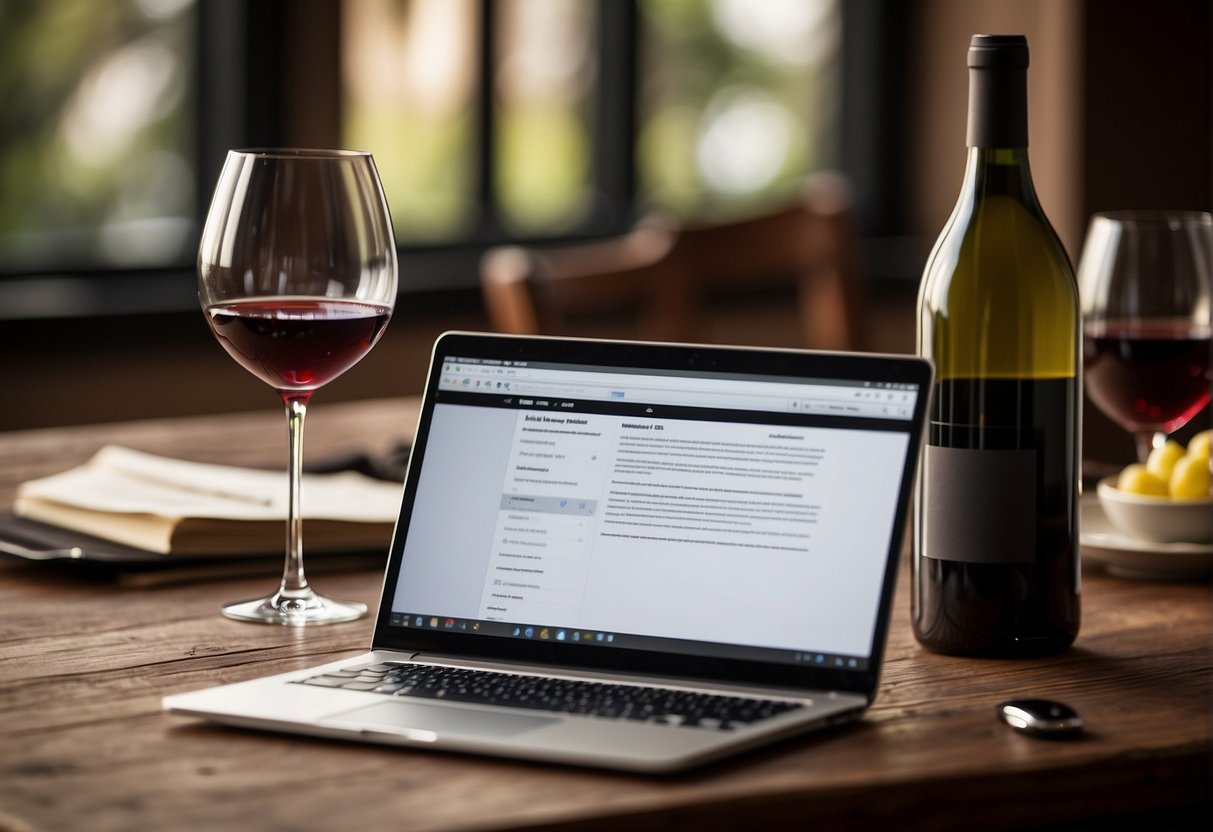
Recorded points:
294,582
1148,440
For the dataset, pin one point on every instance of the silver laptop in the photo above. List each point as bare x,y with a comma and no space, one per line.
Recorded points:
627,555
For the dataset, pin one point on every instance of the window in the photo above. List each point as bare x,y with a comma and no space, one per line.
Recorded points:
490,120
738,101
545,74
735,103
97,155
408,78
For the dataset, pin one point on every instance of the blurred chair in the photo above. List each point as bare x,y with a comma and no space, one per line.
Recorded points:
659,282
809,245
627,286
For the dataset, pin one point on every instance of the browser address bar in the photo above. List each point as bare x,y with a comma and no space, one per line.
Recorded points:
639,383
652,395
824,405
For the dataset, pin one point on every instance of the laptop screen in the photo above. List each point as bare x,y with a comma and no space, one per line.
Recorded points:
695,503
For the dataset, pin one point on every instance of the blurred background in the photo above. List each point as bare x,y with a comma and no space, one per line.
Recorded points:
542,122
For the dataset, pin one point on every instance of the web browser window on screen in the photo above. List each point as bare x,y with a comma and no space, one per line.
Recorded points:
696,508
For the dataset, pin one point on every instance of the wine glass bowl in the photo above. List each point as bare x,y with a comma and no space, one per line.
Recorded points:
297,277
1144,278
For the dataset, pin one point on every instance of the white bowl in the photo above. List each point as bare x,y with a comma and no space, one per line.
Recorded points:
1156,519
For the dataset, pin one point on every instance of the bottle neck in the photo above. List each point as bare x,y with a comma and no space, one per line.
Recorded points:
997,134
998,107
999,171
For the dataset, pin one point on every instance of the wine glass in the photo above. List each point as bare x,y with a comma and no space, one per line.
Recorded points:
1144,278
297,278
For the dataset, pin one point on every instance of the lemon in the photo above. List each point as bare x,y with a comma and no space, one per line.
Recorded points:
1163,458
1136,479
1190,479
1199,444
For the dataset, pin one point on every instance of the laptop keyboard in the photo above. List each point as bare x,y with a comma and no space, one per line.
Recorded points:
599,699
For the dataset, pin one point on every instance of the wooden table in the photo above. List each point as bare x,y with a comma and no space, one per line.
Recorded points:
85,661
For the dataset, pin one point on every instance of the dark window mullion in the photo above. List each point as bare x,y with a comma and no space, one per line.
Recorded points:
488,224
873,113
615,115
222,90
265,47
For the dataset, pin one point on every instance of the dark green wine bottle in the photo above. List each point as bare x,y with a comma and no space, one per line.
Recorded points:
995,567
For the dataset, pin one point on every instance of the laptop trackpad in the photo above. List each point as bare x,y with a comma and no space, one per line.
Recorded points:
426,723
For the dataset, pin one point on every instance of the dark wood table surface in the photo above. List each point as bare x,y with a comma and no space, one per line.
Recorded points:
86,657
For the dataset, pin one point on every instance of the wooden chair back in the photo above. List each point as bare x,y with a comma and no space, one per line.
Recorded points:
628,286
660,282
809,246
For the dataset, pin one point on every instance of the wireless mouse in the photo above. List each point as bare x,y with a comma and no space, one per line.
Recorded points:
1041,717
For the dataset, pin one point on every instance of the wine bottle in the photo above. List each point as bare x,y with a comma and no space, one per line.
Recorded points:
995,566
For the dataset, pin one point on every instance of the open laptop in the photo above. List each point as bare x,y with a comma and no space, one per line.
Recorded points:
638,556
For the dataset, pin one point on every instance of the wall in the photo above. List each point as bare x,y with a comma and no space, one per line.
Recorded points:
1148,107
939,84
1119,93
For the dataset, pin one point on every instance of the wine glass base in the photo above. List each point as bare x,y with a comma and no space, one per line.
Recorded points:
303,611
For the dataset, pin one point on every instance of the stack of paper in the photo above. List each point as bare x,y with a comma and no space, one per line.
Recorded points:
188,508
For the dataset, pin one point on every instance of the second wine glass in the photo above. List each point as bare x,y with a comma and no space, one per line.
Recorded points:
297,277
1144,278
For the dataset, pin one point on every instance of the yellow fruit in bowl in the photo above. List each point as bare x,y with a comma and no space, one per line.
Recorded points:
1178,509
1199,444
1190,478
1162,459
1137,479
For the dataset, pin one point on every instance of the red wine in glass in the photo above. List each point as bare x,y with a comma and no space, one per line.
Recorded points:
297,344
1144,278
1148,375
